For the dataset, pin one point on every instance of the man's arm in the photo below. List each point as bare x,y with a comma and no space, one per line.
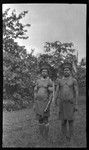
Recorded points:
76,91
50,85
50,92
35,90
56,94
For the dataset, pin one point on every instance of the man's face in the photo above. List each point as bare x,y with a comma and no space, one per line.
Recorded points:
44,72
66,72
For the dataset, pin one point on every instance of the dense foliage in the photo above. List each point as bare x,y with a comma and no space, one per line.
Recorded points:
81,77
20,69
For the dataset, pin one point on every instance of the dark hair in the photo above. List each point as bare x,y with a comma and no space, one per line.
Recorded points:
67,67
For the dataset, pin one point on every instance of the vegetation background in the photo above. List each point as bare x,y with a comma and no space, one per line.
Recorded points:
20,71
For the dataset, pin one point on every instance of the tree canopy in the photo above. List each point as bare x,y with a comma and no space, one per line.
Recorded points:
19,67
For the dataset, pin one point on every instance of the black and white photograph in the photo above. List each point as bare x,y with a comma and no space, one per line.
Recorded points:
44,75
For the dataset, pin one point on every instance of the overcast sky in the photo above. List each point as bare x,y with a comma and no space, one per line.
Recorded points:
51,22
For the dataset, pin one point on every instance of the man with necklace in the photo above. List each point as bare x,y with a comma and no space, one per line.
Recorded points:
66,97
43,93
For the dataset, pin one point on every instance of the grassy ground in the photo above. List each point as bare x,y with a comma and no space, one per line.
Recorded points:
20,129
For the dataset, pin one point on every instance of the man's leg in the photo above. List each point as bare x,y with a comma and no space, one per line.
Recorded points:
41,126
46,127
64,127
71,128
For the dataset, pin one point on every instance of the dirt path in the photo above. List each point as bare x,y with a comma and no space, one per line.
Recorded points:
20,129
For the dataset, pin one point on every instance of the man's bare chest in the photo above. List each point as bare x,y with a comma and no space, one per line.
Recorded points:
43,83
66,83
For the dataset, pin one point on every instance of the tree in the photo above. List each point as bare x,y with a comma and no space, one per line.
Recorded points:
18,66
83,62
56,52
12,28
81,76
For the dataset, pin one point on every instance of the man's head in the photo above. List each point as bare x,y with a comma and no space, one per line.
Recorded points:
67,71
67,68
44,72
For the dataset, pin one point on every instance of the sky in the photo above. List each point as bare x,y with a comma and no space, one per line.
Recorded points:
53,22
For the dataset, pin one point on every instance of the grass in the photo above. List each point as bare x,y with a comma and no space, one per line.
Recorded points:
20,129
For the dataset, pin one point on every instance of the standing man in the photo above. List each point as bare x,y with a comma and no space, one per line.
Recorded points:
67,94
43,95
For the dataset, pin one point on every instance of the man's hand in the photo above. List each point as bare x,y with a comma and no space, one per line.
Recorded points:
76,107
34,107
76,103
50,89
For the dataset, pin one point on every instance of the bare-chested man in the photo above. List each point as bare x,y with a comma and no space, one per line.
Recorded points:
43,93
67,95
